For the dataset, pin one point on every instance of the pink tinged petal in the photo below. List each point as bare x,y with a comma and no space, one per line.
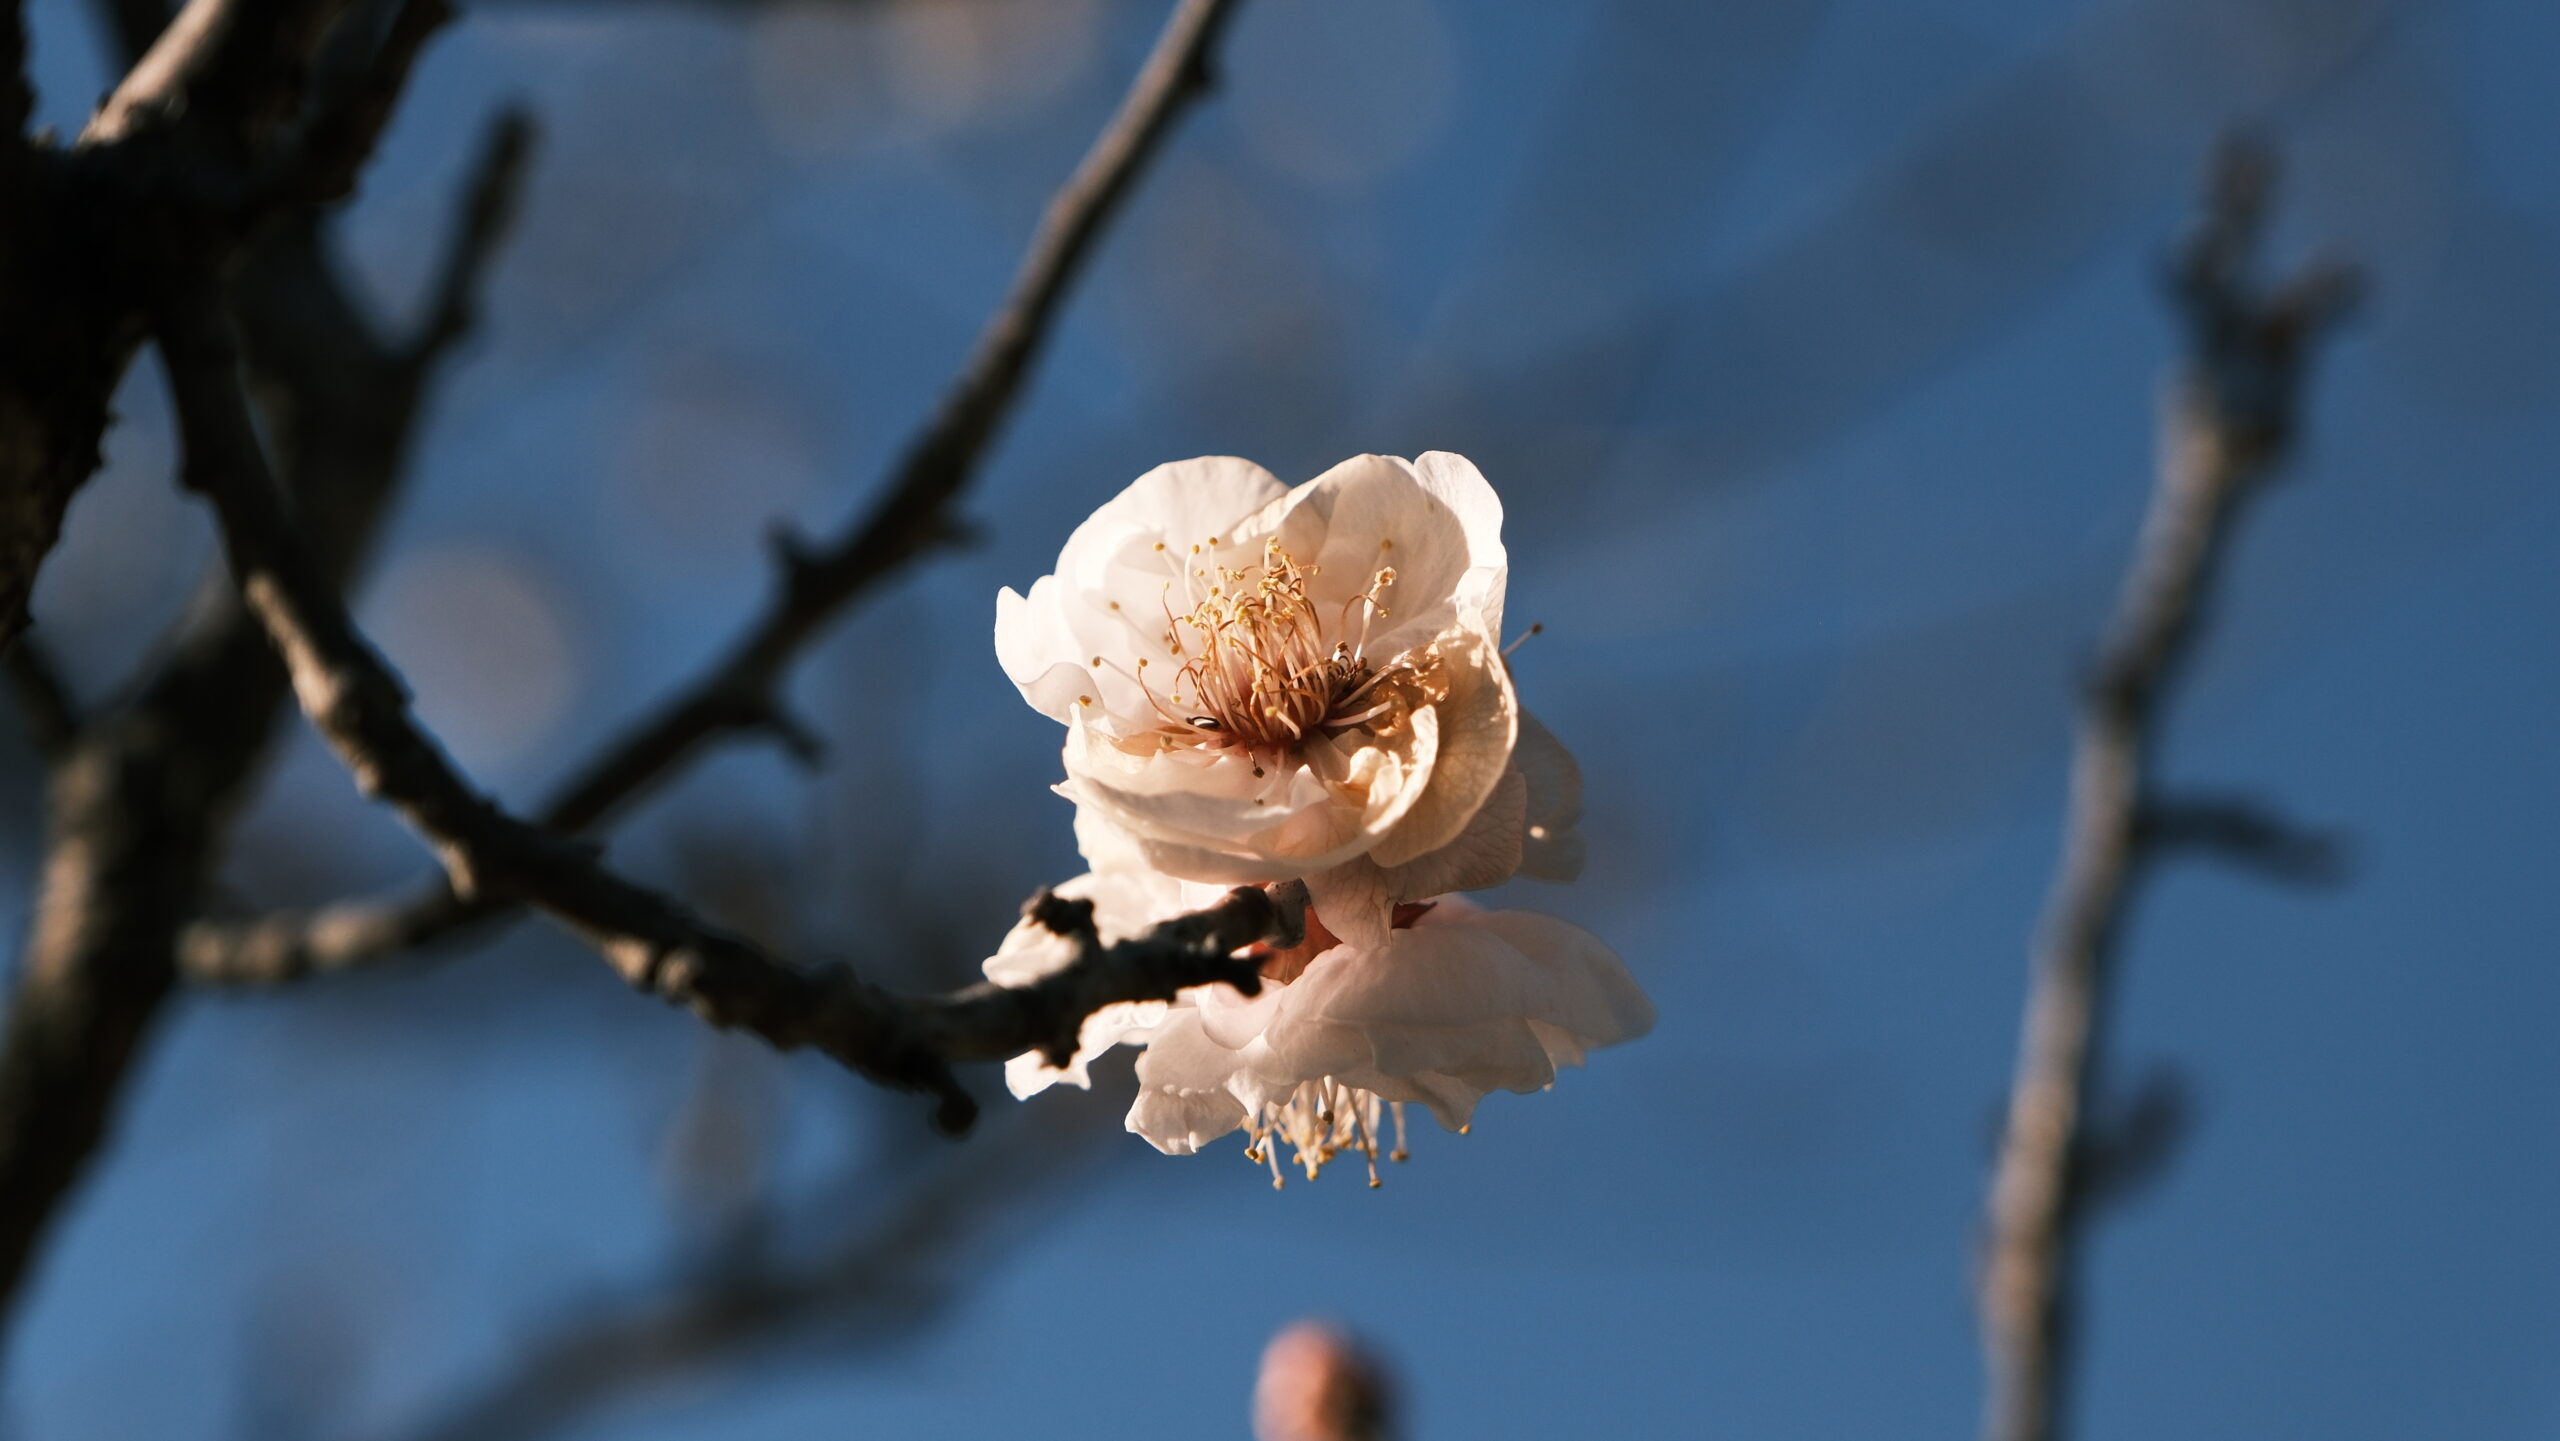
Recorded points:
1182,503
1233,1020
1451,1100
1477,725
1456,483
1103,610
1596,1000
1183,1102
1450,1002
1027,953
1358,898
1027,1075
1552,845
1038,652
1204,815
1104,845
1369,513
1180,1123
1124,1023
1485,854
1354,900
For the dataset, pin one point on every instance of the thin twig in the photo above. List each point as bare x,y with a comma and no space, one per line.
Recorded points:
488,211
2245,833
740,690
139,801
2231,417
17,95
319,164
225,73
359,707
165,168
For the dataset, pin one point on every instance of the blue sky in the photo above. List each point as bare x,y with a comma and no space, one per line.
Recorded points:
1815,349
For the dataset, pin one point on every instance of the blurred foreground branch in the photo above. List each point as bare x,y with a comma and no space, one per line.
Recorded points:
2232,416
740,691
186,162
359,707
166,179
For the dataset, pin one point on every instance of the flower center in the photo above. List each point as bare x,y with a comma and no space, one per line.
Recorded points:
1257,670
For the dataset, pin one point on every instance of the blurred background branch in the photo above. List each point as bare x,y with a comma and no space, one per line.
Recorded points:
919,1233
1797,339
143,793
740,690
2232,414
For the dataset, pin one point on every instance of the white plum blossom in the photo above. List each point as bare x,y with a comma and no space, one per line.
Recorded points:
1263,684
1455,1004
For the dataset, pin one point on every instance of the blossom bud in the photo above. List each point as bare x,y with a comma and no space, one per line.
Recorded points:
1320,1384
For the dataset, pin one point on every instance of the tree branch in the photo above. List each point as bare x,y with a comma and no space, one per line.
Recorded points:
2245,833
359,707
142,796
319,163
2231,417
166,172
488,211
228,72
17,95
739,691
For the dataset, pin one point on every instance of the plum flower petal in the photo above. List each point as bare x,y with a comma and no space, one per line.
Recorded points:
1528,826
1462,1003
1551,843
1261,683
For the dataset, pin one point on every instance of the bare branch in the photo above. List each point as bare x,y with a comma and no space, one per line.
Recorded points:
320,162
130,27
914,516
2246,833
169,172
43,699
141,799
229,71
488,211
2231,417
358,706
17,94
2123,1153
738,691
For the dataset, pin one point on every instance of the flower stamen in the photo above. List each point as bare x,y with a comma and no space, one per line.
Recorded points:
1322,1119
1257,662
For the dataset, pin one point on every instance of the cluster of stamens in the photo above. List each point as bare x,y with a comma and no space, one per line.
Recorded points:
1322,1119
1255,668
